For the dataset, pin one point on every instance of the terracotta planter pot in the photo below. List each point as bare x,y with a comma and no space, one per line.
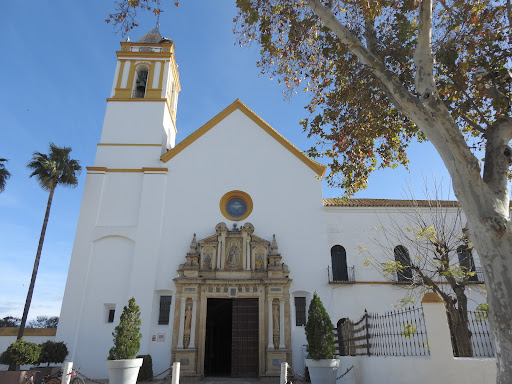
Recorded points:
323,371
123,371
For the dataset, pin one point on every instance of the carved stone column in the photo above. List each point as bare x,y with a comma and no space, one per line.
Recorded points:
270,326
281,323
193,325
182,323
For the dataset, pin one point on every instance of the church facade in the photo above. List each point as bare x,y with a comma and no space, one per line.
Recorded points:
222,239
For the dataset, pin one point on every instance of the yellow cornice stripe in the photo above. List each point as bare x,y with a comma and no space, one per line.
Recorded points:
145,55
318,168
132,170
13,331
130,145
134,99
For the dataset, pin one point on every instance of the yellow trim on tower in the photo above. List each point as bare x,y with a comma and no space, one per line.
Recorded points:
120,74
133,99
318,168
160,55
231,195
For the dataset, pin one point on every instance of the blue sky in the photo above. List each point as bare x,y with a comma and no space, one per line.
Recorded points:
58,61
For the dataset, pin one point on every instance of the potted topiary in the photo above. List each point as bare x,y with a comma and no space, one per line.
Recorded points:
122,366
321,362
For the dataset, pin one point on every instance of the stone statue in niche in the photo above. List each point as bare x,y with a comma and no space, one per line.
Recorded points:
187,326
188,318
275,324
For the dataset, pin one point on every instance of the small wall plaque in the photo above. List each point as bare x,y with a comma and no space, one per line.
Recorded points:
184,361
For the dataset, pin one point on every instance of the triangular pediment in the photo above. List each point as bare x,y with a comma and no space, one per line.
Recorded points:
318,168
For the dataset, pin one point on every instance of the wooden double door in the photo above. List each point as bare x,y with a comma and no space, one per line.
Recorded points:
232,338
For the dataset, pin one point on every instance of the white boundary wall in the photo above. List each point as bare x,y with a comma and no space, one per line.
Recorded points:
439,367
6,340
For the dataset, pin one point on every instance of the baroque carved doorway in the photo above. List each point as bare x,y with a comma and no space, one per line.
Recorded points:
232,314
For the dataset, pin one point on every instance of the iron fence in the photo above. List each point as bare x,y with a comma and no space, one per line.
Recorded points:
396,333
481,337
343,277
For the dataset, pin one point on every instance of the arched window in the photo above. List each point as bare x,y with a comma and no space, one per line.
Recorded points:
339,263
140,81
466,261
402,257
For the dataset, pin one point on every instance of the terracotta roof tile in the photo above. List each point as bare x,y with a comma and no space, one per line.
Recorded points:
386,203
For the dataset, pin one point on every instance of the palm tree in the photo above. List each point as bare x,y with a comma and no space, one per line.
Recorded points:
51,170
4,174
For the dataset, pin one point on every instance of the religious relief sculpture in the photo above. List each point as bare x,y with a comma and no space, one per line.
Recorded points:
233,254
275,325
234,250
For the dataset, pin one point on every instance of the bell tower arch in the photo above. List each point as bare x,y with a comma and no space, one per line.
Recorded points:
140,119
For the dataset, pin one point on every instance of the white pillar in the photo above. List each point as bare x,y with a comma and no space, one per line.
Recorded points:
284,373
175,373
281,323
192,343
66,372
270,325
182,323
438,331
219,253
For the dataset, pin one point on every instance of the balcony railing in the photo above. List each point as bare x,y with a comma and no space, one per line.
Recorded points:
341,276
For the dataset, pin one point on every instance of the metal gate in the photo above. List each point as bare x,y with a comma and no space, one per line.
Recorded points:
245,338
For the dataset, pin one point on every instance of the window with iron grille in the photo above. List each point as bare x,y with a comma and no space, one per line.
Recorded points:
111,313
165,310
300,311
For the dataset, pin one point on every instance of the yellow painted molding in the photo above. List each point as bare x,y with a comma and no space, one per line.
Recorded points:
235,194
97,169
145,55
129,145
13,331
120,74
431,297
318,168
134,99
149,169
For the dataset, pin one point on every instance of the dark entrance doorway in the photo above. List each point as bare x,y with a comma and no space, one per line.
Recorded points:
231,345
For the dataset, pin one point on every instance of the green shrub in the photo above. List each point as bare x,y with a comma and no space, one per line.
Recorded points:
20,352
146,371
53,352
319,331
127,334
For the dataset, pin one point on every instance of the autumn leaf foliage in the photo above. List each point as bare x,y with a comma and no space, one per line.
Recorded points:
355,120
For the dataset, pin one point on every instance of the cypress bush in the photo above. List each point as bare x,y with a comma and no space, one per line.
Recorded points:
127,334
319,331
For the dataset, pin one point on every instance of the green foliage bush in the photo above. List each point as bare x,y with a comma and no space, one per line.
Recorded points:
53,352
146,371
319,331
127,334
20,352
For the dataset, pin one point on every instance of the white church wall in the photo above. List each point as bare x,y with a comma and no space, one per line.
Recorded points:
120,199
141,123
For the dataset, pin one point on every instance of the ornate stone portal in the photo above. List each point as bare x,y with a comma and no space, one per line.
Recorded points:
232,264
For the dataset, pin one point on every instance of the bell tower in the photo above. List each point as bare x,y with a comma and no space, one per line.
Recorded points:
140,119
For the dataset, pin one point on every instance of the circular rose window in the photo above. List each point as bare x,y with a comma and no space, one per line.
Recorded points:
236,205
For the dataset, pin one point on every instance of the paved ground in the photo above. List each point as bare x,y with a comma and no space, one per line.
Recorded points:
209,380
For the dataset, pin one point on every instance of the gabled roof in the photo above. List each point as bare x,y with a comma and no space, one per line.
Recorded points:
152,36
318,168
388,203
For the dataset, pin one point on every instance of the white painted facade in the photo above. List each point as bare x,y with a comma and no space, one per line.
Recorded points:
144,198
